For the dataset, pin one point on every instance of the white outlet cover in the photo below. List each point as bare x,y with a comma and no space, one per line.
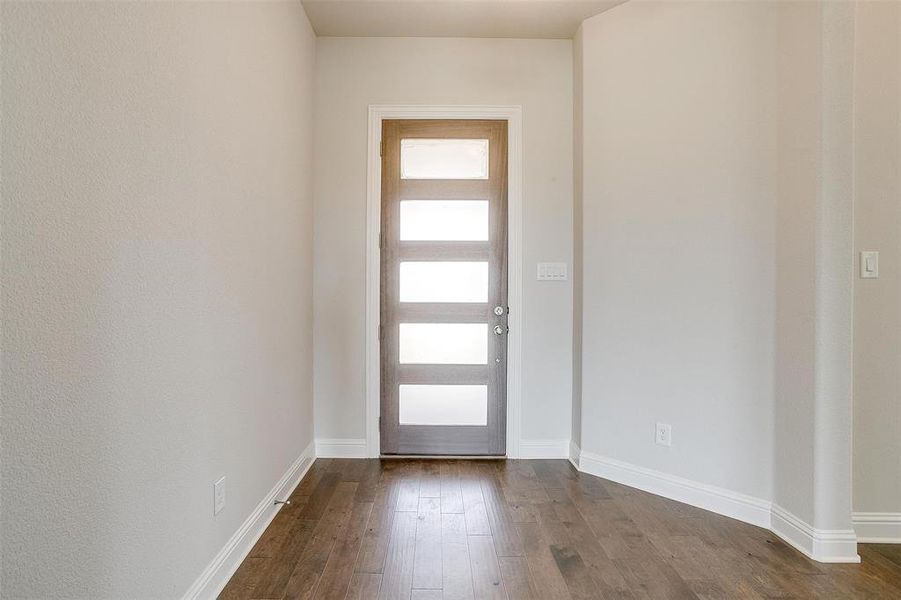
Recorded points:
218,496
663,434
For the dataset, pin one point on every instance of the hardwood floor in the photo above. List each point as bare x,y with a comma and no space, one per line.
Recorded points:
447,529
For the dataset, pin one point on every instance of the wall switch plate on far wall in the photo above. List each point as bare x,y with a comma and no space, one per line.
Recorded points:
551,271
663,434
869,264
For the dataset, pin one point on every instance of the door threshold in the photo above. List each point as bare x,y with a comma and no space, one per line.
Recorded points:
445,456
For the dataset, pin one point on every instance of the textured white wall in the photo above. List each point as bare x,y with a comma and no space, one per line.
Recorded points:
353,73
717,166
812,472
157,273
578,235
679,239
877,226
798,69
833,382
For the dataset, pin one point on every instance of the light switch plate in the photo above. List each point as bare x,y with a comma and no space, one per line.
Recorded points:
551,271
869,264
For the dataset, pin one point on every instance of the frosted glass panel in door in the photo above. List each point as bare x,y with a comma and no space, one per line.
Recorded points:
444,281
444,343
447,158
444,405
444,220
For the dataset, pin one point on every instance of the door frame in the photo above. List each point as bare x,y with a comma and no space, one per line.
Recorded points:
513,116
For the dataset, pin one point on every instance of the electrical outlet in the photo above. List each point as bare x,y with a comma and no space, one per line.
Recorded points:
664,434
218,496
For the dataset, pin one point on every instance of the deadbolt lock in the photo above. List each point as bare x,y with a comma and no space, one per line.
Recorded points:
498,310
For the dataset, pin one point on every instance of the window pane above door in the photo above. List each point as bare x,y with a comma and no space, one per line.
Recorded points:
444,343
447,158
443,405
444,220
444,282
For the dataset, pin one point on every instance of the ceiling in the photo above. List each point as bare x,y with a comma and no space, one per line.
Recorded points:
452,18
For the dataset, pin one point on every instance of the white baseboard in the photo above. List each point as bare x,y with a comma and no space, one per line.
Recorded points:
715,499
822,545
544,449
337,448
828,546
877,528
575,454
227,561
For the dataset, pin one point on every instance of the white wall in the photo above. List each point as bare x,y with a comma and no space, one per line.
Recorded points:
157,273
679,239
578,235
815,272
877,226
798,121
353,73
717,267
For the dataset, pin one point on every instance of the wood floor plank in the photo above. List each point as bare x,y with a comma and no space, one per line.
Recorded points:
274,536
397,581
240,586
503,530
576,575
545,574
339,569
451,496
651,577
486,573
364,586
473,502
517,578
334,522
427,562
430,482
549,477
272,576
456,571
320,498
408,490
309,482
374,548
369,481
555,531
603,571
426,595
350,469
453,529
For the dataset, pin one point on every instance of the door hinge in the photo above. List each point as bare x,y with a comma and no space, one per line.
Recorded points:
381,240
382,148
380,422
381,330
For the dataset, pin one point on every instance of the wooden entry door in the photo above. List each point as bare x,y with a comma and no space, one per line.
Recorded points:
443,329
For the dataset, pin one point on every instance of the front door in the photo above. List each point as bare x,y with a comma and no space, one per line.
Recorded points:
444,287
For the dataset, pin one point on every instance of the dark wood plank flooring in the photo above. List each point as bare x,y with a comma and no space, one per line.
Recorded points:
461,530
